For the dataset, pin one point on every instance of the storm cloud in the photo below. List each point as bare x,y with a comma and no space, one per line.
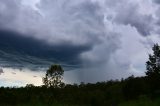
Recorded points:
20,52
1,71
103,39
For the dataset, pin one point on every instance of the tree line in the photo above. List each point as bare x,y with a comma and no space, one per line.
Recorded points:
107,93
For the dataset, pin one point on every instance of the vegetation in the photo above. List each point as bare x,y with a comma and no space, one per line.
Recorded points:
132,91
53,77
153,67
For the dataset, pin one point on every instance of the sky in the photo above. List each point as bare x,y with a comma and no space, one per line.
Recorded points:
93,40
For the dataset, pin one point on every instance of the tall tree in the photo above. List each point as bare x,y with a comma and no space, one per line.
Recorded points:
153,68
54,76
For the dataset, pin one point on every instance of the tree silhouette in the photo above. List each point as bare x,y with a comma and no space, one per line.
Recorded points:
153,68
53,77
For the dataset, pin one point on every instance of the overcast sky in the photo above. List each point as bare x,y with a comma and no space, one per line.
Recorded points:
95,40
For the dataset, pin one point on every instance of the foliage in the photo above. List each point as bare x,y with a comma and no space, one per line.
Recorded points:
153,69
53,77
98,94
142,102
153,64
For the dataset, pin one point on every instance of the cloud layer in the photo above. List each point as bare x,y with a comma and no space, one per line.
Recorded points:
107,39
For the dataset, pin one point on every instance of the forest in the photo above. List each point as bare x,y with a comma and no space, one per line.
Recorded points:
132,91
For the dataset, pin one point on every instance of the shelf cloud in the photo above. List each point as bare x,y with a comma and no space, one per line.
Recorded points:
101,39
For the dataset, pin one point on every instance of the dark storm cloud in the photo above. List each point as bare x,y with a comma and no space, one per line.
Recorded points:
130,15
157,1
157,5
140,22
15,48
96,34
54,21
1,71
8,8
65,29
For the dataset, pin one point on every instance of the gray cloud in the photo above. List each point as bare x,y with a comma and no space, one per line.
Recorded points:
157,15
1,71
49,23
21,51
103,37
128,13
157,1
143,23
70,26
7,11
13,73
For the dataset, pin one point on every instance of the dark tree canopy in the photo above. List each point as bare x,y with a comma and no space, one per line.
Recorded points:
53,77
153,67
153,64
